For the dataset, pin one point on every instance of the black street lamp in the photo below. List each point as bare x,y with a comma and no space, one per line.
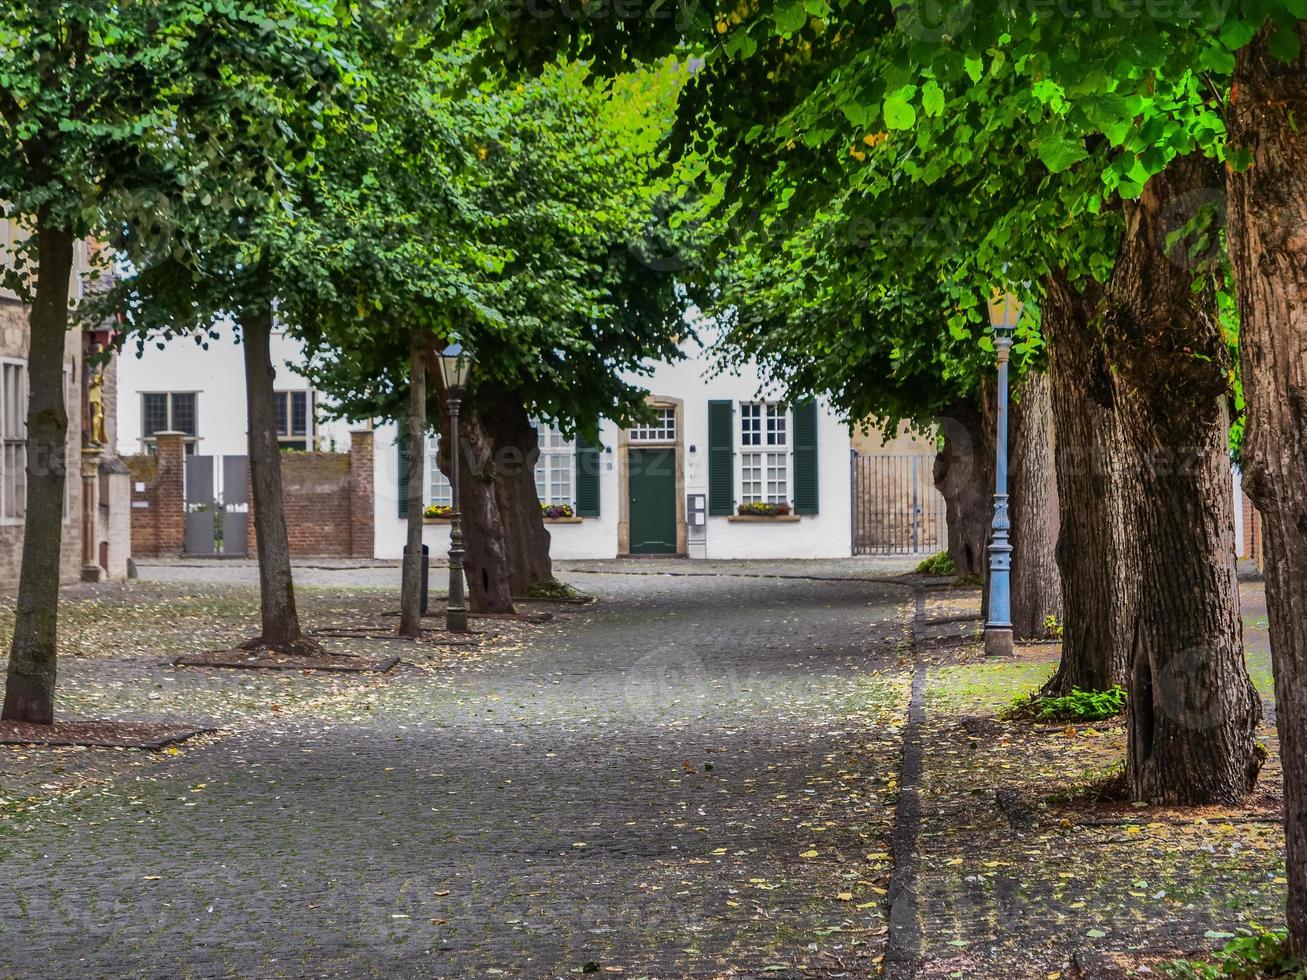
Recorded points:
1004,312
455,366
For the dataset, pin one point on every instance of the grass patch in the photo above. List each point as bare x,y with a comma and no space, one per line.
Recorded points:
551,589
983,687
1074,707
1256,955
940,563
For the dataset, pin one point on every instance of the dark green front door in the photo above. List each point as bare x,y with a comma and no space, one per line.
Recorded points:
652,480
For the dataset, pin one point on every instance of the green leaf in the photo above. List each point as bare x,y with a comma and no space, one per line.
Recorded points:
1058,153
899,113
932,99
790,18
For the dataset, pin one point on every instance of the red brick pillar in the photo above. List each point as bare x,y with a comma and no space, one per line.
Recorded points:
169,503
361,507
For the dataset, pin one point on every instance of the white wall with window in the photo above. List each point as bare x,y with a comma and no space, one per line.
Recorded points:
182,387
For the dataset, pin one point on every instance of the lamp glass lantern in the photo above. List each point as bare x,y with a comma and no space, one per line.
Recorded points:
455,367
1004,311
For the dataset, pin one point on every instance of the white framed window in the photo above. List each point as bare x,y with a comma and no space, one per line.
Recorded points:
556,468
13,431
764,448
661,429
439,491
294,419
169,411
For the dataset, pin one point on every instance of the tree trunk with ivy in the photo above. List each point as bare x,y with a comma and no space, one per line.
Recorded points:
1267,235
29,684
964,476
1036,581
514,442
1099,572
1192,709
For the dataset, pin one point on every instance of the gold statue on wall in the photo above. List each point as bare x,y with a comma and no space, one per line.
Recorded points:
95,404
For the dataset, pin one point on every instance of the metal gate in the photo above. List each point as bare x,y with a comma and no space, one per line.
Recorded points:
217,515
896,508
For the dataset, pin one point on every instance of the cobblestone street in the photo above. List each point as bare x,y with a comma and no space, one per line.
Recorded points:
692,778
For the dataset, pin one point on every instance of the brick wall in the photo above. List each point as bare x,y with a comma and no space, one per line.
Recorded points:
158,506
327,497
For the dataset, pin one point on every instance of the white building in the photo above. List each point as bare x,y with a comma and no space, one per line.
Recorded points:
175,385
676,486
673,487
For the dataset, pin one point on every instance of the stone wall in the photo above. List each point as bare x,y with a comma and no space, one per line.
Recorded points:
14,344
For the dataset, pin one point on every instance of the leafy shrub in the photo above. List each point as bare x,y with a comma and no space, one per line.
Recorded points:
1077,706
1052,627
1259,954
940,563
759,509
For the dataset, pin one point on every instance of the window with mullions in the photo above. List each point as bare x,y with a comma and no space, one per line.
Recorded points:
764,453
661,429
168,412
555,471
294,430
13,431
556,467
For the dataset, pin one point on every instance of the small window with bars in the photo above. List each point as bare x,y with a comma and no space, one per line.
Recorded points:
661,429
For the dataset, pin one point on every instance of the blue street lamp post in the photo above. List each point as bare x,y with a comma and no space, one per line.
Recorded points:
1004,312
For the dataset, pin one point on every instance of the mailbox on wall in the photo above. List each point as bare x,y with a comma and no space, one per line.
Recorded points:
696,509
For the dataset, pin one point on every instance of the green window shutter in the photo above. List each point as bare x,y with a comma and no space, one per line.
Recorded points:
721,458
805,458
402,445
587,477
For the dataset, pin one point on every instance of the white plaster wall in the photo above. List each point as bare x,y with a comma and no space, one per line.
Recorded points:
218,376
594,537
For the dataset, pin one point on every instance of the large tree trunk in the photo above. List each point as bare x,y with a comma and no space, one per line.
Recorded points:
1100,580
486,559
29,686
516,449
280,622
410,587
1036,582
1267,235
964,475
1193,711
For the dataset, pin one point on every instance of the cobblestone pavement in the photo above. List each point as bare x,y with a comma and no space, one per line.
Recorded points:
694,778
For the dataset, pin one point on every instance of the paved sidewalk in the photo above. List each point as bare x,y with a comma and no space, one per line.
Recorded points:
380,574
694,778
